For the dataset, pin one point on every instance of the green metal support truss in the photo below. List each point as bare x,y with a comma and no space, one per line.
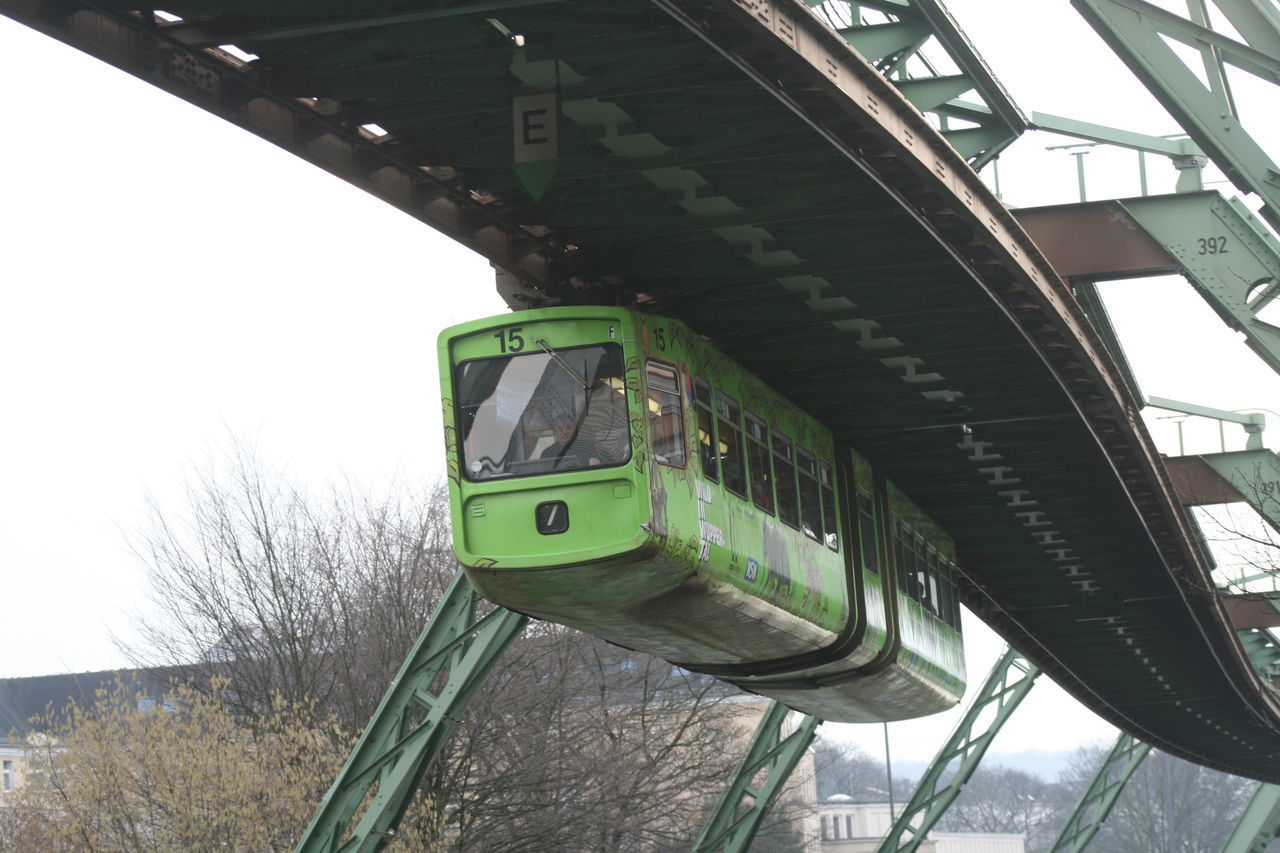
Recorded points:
972,109
1229,257
742,807
1140,32
1008,684
1096,803
407,732
1259,823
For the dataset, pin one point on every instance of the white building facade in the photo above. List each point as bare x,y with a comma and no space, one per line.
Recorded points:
847,826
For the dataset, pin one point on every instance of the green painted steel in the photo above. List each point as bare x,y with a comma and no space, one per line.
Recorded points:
1006,686
1259,824
1139,32
736,816
1184,154
1230,258
1096,802
897,32
384,769
830,590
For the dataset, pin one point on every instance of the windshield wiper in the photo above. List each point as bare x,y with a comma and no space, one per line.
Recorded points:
566,366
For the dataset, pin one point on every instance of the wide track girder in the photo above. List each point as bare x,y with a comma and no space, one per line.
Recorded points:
736,163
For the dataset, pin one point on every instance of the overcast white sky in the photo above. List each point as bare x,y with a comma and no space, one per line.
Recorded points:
170,281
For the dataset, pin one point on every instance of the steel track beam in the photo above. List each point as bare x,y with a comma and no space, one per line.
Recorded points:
412,724
1096,802
1006,686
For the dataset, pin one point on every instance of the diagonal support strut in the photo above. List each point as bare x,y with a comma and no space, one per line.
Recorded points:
738,813
1008,684
412,724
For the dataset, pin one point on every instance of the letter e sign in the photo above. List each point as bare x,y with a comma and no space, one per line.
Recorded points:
535,124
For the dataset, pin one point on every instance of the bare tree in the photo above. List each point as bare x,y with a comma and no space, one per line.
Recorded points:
571,744
1169,806
285,595
843,768
1007,800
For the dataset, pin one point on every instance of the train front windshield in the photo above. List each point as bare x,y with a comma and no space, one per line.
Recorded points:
543,412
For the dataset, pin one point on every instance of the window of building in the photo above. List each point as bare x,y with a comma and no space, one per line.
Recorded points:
758,463
810,502
827,483
6,776
729,434
784,472
706,430
666,426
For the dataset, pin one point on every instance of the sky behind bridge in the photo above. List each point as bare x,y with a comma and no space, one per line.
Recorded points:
171,284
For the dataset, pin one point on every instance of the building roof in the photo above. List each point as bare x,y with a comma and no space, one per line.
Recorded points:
23,699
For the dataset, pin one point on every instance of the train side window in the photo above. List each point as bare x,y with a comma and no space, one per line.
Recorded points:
935,598
867,532
901,556
922,572
827,484
784,471
953,596
810,503
729,434
665,422
706,429
758,463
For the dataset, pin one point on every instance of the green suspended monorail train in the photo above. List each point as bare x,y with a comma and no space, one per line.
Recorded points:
613,472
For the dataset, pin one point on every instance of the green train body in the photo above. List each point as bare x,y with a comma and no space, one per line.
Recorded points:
613,472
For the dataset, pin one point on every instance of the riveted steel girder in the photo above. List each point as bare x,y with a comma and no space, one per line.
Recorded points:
1220,247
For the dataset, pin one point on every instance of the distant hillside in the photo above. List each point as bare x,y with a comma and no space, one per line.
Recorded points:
1047,764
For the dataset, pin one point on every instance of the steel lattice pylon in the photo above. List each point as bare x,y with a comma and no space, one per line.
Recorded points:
743,805
1008,684
437,680
1096,802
